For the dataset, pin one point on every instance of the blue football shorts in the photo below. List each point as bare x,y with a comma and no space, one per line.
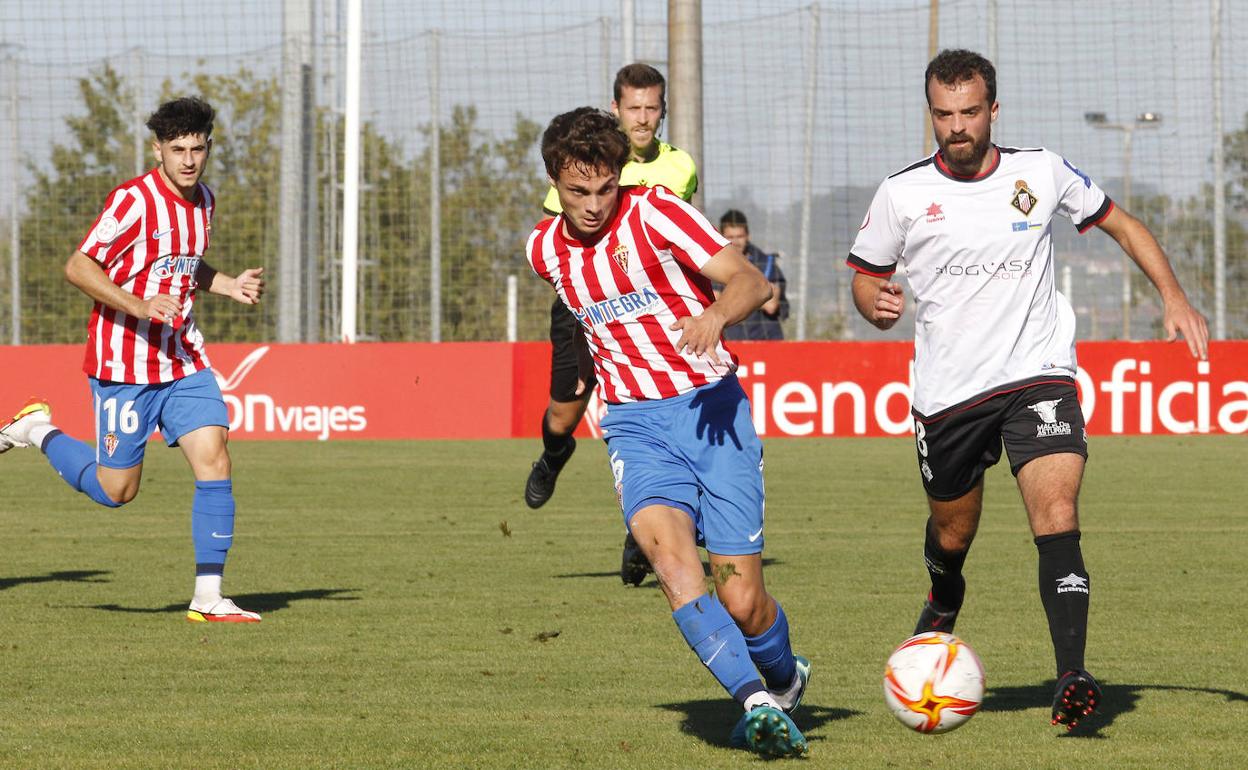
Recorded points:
697,452
127,414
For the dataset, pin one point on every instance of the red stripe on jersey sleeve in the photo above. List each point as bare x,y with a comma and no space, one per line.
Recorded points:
122,207
690,222
1096,218
867,268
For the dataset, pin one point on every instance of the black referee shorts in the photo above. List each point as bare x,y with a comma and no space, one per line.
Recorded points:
1033,418
569,356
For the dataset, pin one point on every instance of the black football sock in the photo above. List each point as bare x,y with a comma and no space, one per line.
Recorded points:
945,569
1064,590
557,448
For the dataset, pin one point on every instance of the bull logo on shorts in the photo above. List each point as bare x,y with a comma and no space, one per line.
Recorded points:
1046,409
110,443
1050,425
620,255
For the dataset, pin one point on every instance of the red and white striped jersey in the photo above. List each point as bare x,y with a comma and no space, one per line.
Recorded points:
629,285
149,242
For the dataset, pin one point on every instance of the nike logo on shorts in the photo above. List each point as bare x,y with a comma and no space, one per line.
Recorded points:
756,535
223,537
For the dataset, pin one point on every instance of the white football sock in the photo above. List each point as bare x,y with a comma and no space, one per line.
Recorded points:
38,433
207,589
761,698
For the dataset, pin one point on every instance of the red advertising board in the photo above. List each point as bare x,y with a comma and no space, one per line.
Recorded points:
499,390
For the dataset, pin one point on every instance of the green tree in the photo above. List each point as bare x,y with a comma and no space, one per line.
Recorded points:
64,200
243,173
490,200
99,153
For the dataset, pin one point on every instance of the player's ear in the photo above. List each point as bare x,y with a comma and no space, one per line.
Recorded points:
156,151
993,110
615,108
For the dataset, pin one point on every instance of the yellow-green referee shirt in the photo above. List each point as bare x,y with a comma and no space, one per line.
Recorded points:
672,168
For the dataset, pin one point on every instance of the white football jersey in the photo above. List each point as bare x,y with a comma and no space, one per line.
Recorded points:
978,254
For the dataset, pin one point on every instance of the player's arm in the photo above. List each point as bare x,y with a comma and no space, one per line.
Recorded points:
1140,245
88,276
246,287
879,300
745,290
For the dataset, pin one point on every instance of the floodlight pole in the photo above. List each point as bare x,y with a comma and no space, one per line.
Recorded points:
628,31
1143,120
684,56
14,192
1219,179
351,174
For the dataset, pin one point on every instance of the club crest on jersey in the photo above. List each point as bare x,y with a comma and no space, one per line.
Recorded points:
1024,199
934,213
1049,424
167,267
620,255
110,443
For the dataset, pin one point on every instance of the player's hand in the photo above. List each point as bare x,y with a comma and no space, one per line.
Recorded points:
700,334
1182,318
248,286
888,305
163,308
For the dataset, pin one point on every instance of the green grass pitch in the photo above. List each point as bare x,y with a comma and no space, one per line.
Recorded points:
417,614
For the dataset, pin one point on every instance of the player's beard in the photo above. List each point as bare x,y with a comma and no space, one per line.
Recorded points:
965,160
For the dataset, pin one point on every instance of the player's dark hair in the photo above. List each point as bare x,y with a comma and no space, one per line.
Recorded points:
182,117
733,218
586,137
639,75
957,65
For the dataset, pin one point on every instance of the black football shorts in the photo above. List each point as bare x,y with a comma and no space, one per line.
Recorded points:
1032,418
569,356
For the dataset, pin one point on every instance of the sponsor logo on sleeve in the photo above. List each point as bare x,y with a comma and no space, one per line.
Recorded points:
106,231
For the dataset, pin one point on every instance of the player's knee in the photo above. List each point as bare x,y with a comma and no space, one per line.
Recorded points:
955,541
677,577
119,491
748,605
563,416
1057,517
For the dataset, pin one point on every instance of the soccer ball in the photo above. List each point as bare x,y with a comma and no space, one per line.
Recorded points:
934,682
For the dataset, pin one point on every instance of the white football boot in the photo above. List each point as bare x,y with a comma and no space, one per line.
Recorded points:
220,611
16,433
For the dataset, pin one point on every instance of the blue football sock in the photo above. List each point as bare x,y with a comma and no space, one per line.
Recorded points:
711,632
772,654
75,462
212,525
